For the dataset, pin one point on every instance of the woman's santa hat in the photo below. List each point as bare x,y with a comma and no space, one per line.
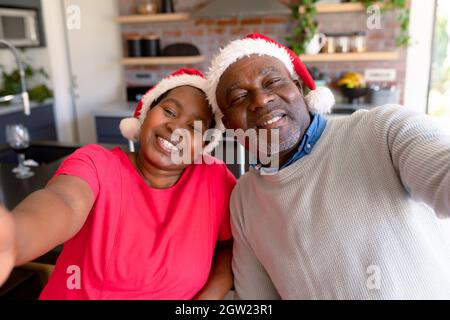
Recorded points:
319,100
131,127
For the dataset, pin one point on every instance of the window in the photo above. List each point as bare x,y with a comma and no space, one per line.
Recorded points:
439,91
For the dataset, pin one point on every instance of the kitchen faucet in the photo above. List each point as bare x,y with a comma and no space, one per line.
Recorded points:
24,94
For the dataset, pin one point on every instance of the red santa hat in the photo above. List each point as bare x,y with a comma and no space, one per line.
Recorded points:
319,100
131,127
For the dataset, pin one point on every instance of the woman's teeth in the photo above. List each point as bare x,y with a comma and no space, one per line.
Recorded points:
167,144
273,120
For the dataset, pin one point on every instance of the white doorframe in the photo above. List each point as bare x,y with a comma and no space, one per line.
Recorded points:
54,21
418,59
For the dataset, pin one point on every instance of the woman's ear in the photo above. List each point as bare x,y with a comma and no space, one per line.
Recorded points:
225,122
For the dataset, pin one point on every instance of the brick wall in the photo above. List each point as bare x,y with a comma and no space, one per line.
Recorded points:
210,34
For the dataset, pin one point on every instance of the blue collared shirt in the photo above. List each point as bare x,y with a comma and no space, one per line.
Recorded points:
308,142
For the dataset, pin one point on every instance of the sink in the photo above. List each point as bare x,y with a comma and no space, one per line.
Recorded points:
42,154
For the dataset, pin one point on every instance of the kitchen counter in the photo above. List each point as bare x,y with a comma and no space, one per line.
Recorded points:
14,107
119,109
13,190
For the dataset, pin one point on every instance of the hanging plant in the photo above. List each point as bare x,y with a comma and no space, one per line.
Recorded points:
402,16
303,13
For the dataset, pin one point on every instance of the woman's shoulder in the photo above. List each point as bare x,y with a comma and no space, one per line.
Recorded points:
97,155
98,151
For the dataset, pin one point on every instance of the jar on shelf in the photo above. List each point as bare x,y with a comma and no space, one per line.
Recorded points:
167,6
151,46
134,45
330,43
147,6
359,41
343,43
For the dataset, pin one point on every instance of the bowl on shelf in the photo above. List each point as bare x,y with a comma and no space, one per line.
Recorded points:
353,94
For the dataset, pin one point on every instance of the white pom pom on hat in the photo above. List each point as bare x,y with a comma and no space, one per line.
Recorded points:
319,100
131,127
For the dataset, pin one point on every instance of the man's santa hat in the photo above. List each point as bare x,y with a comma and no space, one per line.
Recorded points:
319,100
131,127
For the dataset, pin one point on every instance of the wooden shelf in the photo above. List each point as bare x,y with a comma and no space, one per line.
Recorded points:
341,57
154,61
340,7
160,17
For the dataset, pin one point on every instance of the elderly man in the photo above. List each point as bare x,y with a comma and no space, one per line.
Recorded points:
355,209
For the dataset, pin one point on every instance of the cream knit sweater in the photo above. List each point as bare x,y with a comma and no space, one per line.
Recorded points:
353,219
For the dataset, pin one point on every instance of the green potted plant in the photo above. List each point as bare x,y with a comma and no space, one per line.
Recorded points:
305,27
10,83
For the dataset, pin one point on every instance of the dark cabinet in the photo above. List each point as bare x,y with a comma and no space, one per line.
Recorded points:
108,131
41,123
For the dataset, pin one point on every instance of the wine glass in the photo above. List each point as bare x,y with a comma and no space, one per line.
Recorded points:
18,139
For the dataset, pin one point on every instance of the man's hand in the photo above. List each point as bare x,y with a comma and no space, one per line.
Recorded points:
7,244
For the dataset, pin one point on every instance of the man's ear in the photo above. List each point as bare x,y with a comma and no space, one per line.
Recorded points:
298,84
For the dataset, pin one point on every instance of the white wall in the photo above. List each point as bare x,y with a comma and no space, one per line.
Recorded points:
58,62
419,54
94,51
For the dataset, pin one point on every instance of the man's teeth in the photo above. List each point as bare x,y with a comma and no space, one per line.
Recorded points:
168,145
273,120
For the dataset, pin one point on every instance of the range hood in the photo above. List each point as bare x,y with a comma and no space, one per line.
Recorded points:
240,8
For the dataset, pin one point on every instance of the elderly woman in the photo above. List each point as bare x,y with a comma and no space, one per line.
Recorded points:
134,226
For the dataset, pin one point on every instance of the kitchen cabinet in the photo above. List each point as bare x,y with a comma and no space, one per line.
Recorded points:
108,131
41,122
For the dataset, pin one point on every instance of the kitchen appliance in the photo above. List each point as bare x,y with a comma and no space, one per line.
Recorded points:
135,93
19,27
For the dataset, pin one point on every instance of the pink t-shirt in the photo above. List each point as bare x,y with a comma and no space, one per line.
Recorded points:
139,242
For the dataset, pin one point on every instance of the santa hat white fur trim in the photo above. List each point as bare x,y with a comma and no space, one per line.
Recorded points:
239,49
167,84
320,100
131,127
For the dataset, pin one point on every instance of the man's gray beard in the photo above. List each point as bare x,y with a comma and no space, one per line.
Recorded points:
276,147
